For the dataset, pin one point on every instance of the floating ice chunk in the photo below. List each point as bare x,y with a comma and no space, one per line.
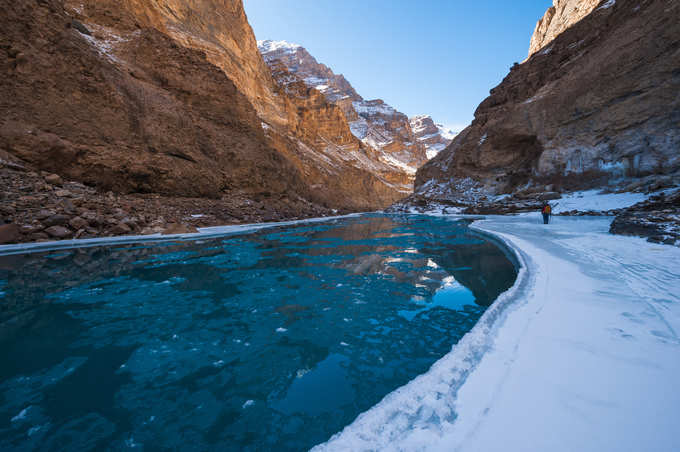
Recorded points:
301,373
22,414
432,264
281,330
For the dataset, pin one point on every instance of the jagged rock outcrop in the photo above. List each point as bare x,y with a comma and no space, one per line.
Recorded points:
600,105
657,219
385,133
435,137
562,15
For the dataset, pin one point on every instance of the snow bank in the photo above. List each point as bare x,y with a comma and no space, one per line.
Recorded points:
581,354
595,201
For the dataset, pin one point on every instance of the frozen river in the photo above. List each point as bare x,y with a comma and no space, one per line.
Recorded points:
267,340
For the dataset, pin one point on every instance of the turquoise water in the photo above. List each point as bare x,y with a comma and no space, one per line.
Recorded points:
273,340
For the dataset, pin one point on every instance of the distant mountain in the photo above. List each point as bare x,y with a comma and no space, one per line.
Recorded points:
377,124
435,137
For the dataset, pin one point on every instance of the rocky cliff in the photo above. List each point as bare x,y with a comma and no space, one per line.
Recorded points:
165,98
435,137
562,15
127,108
385,133
599,106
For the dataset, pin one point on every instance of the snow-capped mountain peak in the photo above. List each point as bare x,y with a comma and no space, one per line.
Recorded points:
269,46
435,137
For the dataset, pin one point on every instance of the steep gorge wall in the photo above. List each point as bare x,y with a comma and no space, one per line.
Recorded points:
601,103
170,97
126,108
220,29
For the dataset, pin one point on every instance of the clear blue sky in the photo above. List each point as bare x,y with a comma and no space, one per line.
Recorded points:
437,57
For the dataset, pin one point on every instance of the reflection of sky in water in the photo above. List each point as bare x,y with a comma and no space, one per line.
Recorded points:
451,295
271,340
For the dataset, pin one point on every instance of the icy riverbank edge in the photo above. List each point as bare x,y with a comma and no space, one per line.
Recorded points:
580,354
416,414
202,234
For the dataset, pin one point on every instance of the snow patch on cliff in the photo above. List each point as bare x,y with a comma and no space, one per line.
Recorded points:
269,46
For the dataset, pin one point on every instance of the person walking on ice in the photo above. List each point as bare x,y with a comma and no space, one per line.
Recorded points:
547,212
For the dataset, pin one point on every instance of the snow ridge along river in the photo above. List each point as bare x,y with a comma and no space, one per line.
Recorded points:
269,340
582,353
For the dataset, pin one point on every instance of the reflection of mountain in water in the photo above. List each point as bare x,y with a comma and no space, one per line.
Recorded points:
485,267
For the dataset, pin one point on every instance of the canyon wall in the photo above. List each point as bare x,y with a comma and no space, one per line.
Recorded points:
125,108
173,97
599,105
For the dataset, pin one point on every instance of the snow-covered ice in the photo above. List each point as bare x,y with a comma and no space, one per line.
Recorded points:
595,201
580,354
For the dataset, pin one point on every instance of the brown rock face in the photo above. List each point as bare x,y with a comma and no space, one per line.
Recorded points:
600,106
172,97
218,28
127,108
562,15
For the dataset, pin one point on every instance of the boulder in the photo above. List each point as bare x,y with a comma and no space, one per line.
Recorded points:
30,228
39,236
78,223
9,233
59,232
43,214
56,220
120,229
53,179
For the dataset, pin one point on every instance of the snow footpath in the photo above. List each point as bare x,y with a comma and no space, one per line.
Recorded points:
582,353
